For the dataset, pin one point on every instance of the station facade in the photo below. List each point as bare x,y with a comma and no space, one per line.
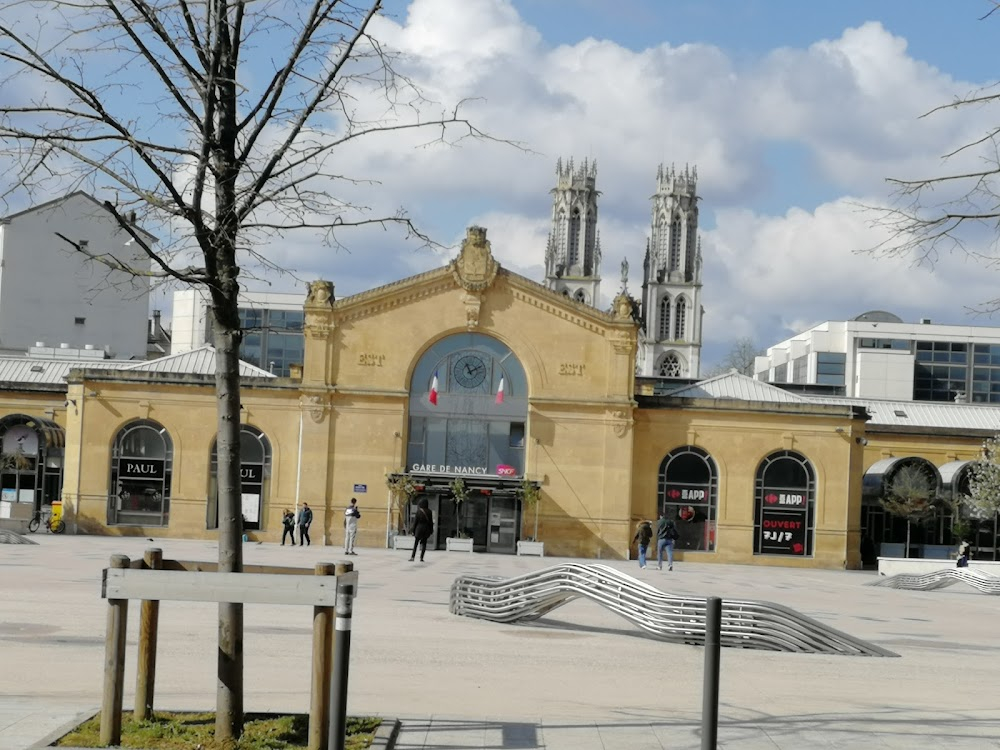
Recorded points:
469,371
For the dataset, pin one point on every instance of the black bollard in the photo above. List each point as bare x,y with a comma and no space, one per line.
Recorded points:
710,700
337,738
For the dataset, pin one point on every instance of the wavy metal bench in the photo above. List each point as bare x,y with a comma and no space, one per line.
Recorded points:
680,619
938,579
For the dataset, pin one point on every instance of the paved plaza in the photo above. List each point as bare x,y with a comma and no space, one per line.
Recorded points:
579,678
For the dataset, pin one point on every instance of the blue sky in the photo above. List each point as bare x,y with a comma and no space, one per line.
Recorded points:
794,112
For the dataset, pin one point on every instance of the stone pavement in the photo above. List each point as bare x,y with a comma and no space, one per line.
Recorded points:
578,678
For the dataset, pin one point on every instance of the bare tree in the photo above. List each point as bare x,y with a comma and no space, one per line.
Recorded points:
911,495
741,358
218,121
958,210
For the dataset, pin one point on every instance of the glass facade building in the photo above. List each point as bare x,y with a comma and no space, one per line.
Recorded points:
272,339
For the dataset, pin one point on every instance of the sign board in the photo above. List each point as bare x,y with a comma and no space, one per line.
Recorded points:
140,468
782,532
503,470
359,488
246,588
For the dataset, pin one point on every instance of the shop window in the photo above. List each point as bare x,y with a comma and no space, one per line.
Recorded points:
516,435
688,492
784,506
255,479
141,468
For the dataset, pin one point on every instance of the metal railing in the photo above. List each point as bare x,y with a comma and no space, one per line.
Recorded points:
680,619
938,579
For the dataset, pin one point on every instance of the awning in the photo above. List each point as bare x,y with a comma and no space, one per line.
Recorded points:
50,434
955,477
496,485
880,473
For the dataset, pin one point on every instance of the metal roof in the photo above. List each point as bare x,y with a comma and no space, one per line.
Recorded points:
940,414
200,361
45,371
733,385
50,371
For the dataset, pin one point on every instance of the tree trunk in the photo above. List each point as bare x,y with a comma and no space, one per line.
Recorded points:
229,695
535,537
906,552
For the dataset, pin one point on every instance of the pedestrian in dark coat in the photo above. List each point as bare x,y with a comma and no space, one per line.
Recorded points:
422,526
288,521
305,521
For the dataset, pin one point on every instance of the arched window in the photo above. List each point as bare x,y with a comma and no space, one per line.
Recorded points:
680,319
688,491
580,296
561,236
31,461
675,244
255,478
670,366
573,251
664,318
784,506
142,461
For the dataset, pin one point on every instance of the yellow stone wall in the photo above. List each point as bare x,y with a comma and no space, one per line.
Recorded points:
739,436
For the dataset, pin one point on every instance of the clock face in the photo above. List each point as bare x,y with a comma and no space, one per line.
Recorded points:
470,371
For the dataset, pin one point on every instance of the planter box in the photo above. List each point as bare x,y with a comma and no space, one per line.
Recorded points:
531,548
455,544
403,541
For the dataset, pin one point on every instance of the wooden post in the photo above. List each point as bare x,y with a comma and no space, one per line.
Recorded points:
114,665
322,665
149,616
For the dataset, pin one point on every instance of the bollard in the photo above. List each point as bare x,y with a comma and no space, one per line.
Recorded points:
149,616
114,665
710,696
322,666
341,662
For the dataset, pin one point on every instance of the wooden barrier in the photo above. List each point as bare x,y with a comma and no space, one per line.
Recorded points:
154,579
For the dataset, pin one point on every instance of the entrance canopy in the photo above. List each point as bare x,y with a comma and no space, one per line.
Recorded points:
879,475
495,485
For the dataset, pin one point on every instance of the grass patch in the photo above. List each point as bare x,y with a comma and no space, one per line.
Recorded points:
187,731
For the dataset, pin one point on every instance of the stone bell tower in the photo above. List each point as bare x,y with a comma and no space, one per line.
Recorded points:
573,255
671,282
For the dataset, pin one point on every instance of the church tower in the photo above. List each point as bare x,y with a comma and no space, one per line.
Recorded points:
671,281
573,255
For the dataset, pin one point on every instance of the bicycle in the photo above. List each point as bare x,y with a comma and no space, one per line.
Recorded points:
55,527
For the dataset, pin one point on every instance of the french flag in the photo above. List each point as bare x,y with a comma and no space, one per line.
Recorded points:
433,397
500,391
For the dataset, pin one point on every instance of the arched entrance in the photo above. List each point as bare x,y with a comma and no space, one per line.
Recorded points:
468,412
885,534
689,493
785,505
31,463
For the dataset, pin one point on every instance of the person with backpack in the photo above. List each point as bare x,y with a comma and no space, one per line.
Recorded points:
666,535
642,535
351,516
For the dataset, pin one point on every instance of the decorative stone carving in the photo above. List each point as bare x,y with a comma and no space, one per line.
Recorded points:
622,423
320,293
473,303
622,342
315,407
475,267
318,324
622,306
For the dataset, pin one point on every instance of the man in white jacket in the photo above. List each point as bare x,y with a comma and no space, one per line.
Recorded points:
351,516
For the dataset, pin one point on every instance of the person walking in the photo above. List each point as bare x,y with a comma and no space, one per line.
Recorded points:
666,535
288,521
351,516
642,535
305,520
422,526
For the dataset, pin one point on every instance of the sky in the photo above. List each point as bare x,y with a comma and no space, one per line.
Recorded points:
794,114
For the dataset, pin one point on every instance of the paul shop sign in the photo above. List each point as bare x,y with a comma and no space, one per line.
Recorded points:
140,468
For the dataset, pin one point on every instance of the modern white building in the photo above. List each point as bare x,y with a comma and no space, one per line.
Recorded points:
51,293
878,356
271,322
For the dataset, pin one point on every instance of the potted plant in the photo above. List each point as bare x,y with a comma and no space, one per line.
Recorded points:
402,488
530,495
460,494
